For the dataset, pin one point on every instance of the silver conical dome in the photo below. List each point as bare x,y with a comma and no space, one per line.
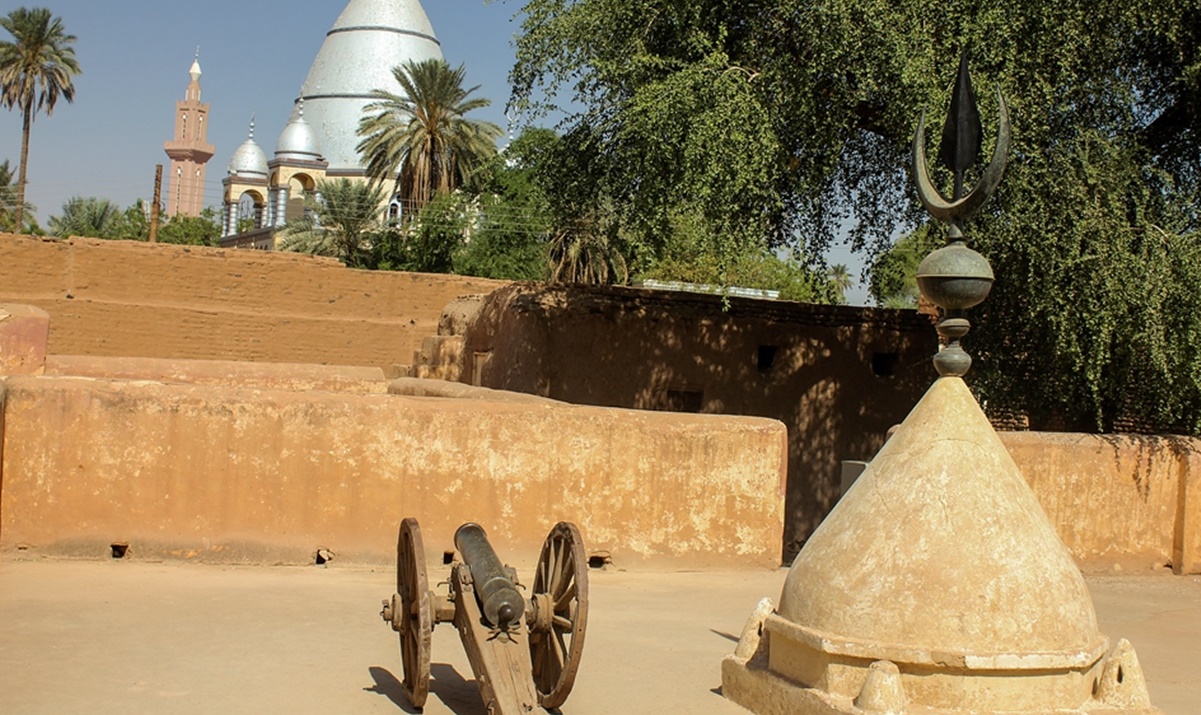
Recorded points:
369,38
298,141
249,160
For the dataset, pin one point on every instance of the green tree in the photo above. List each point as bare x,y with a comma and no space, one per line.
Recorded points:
36,68
8,201
131,224
429,242
790,122
840,281
202,230
893,281
510,239
337,224
421,140
86,216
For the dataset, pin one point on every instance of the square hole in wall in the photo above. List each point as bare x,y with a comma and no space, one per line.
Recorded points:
767,357
885,364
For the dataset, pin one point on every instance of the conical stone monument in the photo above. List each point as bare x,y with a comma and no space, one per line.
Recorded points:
937,585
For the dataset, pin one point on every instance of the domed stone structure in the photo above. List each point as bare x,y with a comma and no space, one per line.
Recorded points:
297,167
247,176
935,586
368,39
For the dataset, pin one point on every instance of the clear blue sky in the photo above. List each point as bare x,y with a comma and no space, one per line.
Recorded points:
255,55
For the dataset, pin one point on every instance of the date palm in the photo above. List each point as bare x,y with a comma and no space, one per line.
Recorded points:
87,216
338,223
36,68
421,139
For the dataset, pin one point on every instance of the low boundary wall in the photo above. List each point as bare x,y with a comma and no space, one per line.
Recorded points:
1117,501
234,474
126,298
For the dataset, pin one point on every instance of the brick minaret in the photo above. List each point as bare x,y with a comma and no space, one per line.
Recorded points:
189,151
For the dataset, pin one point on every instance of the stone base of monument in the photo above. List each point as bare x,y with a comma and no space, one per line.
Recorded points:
1111,684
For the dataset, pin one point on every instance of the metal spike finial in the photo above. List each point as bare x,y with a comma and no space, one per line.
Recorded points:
955,277
962,132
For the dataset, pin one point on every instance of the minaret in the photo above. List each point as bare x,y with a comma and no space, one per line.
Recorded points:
188,150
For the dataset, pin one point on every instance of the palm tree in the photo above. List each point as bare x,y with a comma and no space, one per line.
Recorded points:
88,216
35,70
337,223
581,252
8,199
421,139
840,281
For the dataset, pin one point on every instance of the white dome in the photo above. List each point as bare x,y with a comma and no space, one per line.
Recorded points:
249,161
368,39
298,141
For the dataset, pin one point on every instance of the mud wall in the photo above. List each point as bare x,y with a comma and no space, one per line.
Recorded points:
129,299
269,476
1118,501
838,377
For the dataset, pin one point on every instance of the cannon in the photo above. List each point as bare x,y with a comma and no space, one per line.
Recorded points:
524,652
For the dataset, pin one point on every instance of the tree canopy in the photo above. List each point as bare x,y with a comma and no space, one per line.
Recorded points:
421,139
36,68
788,122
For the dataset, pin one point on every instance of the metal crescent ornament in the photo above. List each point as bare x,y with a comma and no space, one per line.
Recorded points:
954,212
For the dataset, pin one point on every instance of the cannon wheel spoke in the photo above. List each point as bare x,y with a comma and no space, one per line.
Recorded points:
562,575
413,587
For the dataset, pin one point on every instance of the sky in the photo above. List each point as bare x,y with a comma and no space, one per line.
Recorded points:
135,56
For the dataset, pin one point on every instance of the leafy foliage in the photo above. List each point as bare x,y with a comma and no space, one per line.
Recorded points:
37,67
202,230
8,202
421,139
788,123
86,216
337,224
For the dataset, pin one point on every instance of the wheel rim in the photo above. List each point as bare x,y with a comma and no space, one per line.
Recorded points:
557,640
417,626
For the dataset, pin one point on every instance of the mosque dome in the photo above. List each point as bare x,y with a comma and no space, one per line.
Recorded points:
298,141
249,160
368,39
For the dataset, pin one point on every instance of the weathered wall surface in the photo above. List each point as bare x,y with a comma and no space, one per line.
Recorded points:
224,373
838,377
121,298
1117,499
238,474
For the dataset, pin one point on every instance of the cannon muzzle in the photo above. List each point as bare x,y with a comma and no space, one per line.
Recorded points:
499,599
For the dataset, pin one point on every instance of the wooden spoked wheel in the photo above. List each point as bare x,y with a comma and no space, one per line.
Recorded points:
560,609
414,621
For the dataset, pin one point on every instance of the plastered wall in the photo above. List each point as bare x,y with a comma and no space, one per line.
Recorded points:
123,298
838,377
236,474
1129,502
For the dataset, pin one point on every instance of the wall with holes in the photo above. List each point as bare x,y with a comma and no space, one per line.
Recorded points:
837,376
250,474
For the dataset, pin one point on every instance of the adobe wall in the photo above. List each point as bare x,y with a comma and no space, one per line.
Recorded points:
1127,501
123,298
838,377
235,474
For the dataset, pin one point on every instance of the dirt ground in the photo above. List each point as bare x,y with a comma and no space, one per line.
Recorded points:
127,637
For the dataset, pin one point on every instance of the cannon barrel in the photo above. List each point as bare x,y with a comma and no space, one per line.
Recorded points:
498,597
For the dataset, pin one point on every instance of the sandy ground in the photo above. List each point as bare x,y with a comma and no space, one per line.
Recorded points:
127,637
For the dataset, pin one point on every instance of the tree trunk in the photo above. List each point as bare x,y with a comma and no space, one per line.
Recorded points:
18,223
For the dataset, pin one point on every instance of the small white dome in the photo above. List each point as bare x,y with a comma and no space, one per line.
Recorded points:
249,160
298,141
